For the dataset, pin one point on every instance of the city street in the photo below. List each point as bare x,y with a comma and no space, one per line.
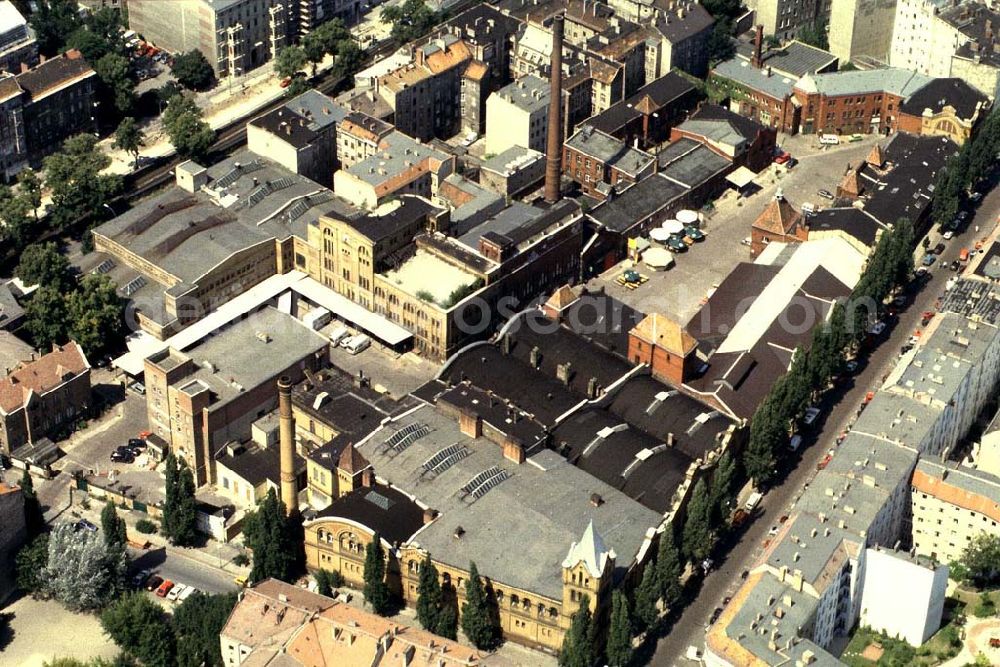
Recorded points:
689,628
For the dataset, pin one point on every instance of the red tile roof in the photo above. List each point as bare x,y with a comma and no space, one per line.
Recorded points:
41,375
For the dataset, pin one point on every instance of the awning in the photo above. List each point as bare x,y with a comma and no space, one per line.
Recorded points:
741,178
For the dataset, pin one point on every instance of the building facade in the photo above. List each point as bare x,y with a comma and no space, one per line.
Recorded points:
17,45
236,36
862,29
517,115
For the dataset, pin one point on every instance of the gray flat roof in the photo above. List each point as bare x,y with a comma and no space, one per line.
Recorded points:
511,160
530,93
740,71
978,482
892,80
694,167
608,149
792,59
239,356
255,201
538,512
639,201
400,153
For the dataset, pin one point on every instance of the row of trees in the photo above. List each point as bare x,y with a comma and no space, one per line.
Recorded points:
720,43
330,38
187,638
180,513
411,20
811,370
973,163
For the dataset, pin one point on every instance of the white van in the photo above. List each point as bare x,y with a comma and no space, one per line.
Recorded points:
338,335
357,344
317,318
829,139
753,501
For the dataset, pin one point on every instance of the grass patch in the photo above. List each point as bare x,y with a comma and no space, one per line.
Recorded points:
943,644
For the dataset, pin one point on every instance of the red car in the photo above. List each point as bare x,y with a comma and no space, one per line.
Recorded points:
164,588
782,158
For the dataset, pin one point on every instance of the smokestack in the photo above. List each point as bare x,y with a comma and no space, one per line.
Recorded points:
286,435
553,159
758,46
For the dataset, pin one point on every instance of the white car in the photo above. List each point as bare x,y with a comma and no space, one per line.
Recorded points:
338,335
948,235
176,592
773,531
188,592
810,416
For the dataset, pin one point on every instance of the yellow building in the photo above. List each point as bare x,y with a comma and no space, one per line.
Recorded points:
478,499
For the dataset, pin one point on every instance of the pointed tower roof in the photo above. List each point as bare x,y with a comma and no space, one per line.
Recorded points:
780,217
851,185
875,157
561,299
590,551
660,330
646,106
351,460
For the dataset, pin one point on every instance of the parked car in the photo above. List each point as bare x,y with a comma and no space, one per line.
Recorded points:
140,578
825,194
164,588
139,388
975,197
716,613
338,335
153,583
357,344
773,531
851,366
674,244
877,329
899,301
188,592
176,591
795,442
83,524
938,249
948,235
811,415
954,266
905,348
694,233
137,442
122,457
928,259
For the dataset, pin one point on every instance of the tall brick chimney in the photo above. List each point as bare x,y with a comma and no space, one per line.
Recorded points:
286,440
758,47
553,158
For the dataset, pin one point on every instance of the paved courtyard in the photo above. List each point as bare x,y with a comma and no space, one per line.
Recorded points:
679,291
44,630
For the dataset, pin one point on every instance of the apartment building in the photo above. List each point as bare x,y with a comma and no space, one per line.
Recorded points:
236,36
208,395
600,162
951,505
301,136
18,46
302,629
401,165
40,395
517,115
42,107
948,39
903,596
310,13
513,172
785,19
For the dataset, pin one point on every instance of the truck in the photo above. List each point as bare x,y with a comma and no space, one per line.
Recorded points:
317,318
753,501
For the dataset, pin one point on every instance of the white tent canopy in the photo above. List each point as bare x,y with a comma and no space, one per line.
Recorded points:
657,258
659,235
673,227
687,217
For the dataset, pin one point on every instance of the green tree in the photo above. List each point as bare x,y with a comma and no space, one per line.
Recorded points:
410,20
767,433
100,35
190,135
349,60
197,623
720,43
46,318
42,264
74,177
34,519
53,21
325,39
167,92
698,538
119,86
193,71
113,526
619,646
30,564
981,559
269,534
815,34
646,595
290,61
478,620
447,623
179,507
669,569
328,581
130,138
298,86
578,648
29,187
722,487
19,221
141,628
376,590
428,595
95,313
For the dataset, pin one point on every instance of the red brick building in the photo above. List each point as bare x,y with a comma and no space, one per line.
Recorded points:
665,346
600,162
779,223
741,140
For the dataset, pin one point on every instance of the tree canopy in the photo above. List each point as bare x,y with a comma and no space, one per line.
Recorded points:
42,264
269,534
197,623
376,590
179,508
190,135
74,177
578,648
141,628
410,20
130,138
479,622
192,70
83,571
981,559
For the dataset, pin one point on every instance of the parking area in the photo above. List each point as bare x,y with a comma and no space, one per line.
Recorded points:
390,372
679,291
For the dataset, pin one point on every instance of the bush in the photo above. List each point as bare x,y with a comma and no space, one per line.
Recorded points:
145,526
241,560
986,607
